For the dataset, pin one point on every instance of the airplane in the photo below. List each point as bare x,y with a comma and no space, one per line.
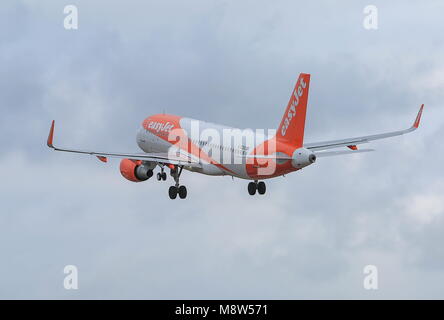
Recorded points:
167,142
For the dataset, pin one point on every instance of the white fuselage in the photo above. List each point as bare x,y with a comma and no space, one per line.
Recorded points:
225,146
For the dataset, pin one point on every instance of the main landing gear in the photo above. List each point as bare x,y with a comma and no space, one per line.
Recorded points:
256,186
174,191
177,189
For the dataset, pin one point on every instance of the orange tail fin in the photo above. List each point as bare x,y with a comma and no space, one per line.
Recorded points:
291,129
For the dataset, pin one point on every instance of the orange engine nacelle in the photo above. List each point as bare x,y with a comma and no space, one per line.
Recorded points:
135,170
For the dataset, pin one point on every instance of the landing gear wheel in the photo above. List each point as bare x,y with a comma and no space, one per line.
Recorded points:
252,188
176,189
159,176
261,188
163,176
182,192
172,192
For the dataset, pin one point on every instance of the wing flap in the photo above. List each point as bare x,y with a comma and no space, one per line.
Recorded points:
340,152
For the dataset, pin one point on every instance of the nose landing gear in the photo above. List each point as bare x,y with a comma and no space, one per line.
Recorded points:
161,175
256,186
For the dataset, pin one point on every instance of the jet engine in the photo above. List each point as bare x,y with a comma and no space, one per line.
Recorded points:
302,157
136,170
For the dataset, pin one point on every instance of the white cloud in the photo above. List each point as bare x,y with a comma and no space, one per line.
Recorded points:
424,208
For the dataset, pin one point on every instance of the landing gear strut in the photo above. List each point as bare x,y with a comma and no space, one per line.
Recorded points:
256,186
177,189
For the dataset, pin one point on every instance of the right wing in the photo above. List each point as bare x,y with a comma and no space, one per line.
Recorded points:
167,158
352,142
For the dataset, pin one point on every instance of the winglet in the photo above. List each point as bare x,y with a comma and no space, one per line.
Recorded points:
418,118
51,135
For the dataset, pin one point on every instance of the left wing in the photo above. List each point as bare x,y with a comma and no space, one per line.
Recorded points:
352,142
177,159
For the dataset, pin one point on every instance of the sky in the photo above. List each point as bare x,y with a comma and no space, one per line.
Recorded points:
234,63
